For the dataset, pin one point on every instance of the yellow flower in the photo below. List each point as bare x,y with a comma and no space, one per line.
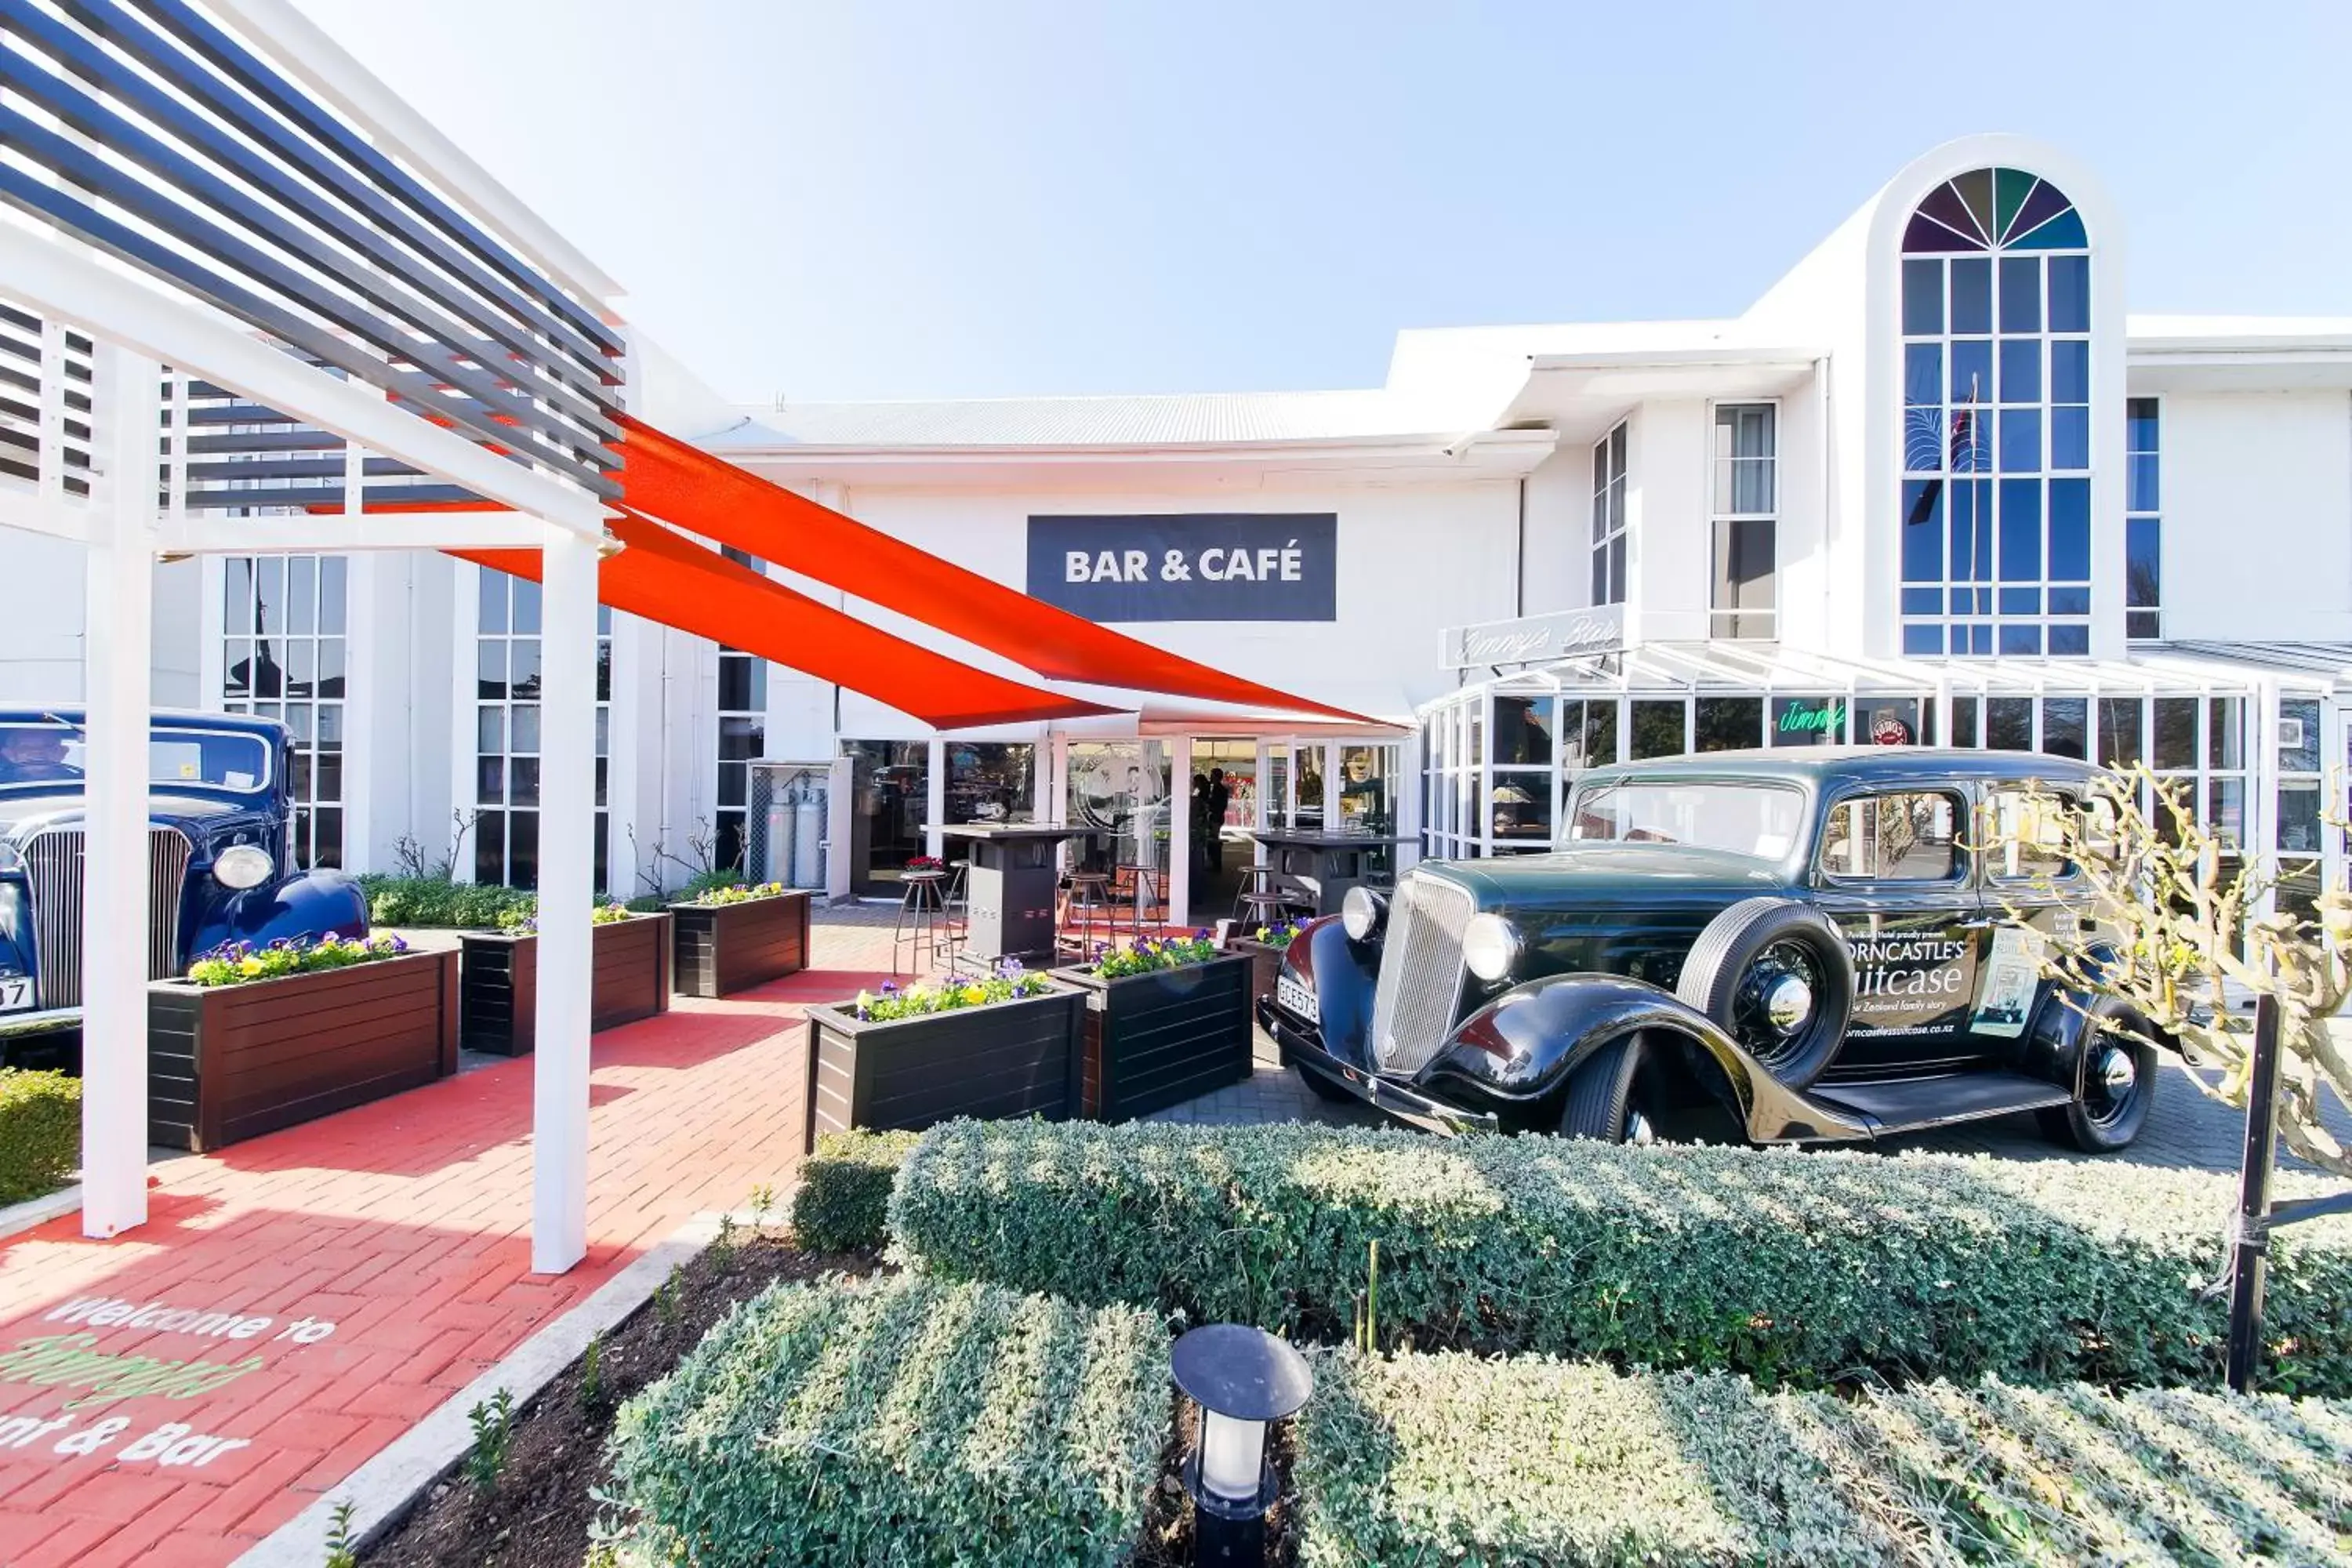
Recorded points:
251,966
974,995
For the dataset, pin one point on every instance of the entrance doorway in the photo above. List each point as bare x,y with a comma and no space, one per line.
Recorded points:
891,784
1225,796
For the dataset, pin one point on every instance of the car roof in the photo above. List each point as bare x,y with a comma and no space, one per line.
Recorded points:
167,718
1881,766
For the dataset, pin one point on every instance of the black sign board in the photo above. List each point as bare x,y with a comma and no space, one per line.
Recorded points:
1188,566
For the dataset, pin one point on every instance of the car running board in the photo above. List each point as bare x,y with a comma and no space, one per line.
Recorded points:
1910,1105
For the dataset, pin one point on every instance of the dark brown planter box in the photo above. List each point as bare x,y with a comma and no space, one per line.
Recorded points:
629,962
1266,963
1158,1039
726,948
230,1062
1006,1059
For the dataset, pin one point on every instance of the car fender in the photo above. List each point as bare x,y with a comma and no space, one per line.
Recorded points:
308,904
2052,1047
1523,1045
1341,975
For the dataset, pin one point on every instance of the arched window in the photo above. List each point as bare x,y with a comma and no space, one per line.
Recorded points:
1996,523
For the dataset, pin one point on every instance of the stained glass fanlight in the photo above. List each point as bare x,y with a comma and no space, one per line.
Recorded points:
1985,209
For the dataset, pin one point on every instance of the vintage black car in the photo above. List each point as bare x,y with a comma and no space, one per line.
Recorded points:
219,806
1788,946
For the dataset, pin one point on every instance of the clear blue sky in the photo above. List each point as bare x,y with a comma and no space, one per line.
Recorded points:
864,200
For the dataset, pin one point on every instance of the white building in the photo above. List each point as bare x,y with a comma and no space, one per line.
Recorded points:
1937,484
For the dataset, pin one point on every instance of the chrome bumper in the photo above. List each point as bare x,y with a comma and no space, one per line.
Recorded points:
45,1021
1304,1049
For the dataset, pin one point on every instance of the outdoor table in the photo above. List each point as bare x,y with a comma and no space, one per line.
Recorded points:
1008,886
1321,866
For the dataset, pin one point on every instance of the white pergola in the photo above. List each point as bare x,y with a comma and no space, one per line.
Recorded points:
217,203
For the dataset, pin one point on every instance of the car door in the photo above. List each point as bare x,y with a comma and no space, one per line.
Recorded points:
2031,890
1891,869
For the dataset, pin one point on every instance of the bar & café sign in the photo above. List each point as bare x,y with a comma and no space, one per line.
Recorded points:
1188,566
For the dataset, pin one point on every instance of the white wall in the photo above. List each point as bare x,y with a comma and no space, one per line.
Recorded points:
1560,531
41,634
2257,509
1669,554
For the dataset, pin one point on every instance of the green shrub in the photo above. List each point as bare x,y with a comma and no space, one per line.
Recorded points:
1798,1268
415,902
40,1131
903,1421
843,1204
1451,1458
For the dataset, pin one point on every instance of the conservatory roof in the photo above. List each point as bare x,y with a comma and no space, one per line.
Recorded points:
1679,668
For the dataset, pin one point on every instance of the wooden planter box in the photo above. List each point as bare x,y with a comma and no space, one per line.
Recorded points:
1265,963
629,960
1006,1059
1158,1039
231,1062
726,948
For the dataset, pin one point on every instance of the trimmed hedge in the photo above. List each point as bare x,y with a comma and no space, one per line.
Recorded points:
40,1131
420,902
1450,1458
1804,1268
902,1420
843,1204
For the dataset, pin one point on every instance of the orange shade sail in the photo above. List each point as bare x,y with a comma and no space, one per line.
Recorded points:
667,578
681,484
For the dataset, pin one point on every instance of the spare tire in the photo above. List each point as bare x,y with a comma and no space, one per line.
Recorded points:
1775,974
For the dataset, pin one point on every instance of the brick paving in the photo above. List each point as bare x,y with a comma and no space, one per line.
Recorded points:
388,1249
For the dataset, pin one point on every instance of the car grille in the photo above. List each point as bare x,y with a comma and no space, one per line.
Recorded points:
53,863
1420,983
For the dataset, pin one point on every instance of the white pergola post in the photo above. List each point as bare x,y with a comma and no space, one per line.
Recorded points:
116,650
567,817
1177,885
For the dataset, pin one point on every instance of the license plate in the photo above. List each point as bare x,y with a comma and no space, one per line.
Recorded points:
16,993
1297,998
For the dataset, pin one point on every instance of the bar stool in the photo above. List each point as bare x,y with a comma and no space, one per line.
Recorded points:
1262,901
922,908
1086,907
955,916
1138,888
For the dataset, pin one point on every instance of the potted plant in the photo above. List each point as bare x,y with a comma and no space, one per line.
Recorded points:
257,1038
1005,1044
1265,946
730,939
629,965
1167,1019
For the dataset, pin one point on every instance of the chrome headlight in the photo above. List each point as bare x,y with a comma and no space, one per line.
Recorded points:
1490,945
11,858
1360,913
243,866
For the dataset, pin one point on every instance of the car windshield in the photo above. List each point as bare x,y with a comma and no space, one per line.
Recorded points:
33,754
1759,819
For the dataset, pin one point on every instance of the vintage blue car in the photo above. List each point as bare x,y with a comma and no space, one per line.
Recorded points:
219,808
1816,944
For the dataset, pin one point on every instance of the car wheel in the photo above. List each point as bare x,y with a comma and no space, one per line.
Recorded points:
1601,1099
2119,1084
1776,975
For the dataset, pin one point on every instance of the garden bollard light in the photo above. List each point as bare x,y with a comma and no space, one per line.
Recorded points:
1241,1378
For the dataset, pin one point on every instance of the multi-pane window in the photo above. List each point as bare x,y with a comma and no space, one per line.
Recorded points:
743,737
506,749
1996,522
1744,596
284,646
2142,522
1608,518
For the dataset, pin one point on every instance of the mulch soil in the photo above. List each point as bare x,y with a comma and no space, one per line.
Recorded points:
539,1513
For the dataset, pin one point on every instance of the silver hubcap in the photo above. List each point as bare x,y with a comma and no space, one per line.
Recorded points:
2118,1071
1638,1128
1788,1003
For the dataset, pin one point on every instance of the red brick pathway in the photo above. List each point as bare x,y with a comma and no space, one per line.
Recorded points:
387,1248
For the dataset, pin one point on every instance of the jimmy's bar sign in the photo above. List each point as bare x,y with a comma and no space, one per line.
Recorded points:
1188,566
1537,639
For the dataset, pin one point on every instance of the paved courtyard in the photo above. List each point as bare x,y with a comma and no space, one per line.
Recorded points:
298,1301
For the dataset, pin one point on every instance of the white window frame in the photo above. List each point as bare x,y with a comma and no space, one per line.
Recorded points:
2154,515
1720,615
1609,498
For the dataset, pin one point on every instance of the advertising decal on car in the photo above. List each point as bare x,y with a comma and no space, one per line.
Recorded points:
2012,971
1912,985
